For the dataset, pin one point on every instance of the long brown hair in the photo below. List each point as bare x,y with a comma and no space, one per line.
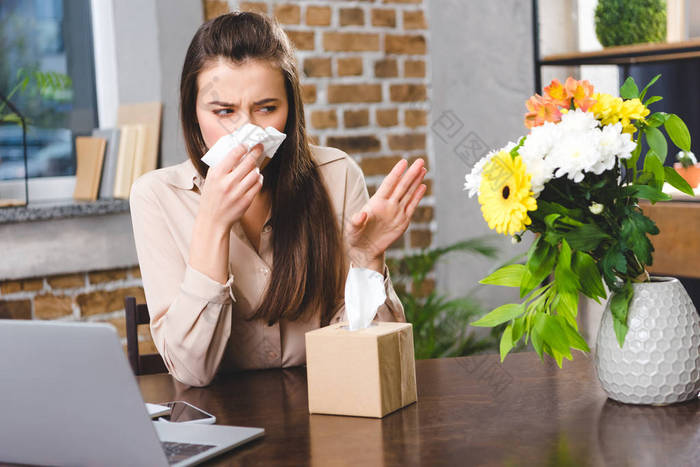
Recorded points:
309,264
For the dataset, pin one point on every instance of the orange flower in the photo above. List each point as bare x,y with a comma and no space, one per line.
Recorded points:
541,109
581,92
557,94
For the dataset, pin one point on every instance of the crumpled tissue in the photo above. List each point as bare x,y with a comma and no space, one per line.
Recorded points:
364,294
250,135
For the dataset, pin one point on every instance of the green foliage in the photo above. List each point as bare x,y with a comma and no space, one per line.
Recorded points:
47,85
589,233
622,22
440,325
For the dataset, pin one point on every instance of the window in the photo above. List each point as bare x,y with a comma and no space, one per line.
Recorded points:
46,36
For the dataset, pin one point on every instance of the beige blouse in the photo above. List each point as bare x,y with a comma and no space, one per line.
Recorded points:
198,324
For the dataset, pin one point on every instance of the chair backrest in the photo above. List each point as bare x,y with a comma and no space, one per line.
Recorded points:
137,314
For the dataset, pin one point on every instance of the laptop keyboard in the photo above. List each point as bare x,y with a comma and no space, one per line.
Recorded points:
177,452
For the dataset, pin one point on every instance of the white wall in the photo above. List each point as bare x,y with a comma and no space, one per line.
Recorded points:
482,73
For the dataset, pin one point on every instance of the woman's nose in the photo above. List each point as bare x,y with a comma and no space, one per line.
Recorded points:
243,118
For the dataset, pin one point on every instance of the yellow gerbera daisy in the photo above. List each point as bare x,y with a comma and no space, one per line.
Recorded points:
505,195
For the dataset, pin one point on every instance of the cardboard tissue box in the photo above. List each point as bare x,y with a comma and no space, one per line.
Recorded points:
368,372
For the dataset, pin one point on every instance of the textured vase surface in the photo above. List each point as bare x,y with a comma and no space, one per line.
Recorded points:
660,360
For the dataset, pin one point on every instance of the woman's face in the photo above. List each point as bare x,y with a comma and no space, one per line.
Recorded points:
231,95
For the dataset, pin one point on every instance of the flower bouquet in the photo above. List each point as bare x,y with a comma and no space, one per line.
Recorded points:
575,181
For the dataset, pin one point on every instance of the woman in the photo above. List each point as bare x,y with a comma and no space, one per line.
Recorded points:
206,238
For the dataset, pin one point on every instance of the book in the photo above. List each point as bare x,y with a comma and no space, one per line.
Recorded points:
109,166
90,156
141,159
131,141
150,115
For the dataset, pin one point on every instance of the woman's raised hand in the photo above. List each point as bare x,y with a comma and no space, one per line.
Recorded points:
387,214
230,187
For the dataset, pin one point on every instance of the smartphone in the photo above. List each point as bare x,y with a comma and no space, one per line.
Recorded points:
183,412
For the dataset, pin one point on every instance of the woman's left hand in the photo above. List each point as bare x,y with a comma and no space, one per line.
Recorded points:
386,216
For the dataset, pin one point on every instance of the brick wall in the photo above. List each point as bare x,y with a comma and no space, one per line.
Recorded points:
90,296
363,67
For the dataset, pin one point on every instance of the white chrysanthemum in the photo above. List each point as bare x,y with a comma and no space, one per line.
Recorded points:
613,144
575,153
573,147
534,152
473,178
578,121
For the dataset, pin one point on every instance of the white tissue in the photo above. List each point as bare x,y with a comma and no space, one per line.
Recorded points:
250,135
364,293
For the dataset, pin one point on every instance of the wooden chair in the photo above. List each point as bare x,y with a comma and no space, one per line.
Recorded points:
141,364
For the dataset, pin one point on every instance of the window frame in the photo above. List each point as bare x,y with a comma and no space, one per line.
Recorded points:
47,189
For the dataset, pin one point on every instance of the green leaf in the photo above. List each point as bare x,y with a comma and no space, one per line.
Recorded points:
620,331
678,182
629,89
547,207
576,341
654,166
678,131
651,100
527,283
537,254
541,259
586,237
657,142
500,315
656,119
613,260
634,229
632,161
584,266
11,118
506,341
508,276
646,88
558,356
514,151
564,277
619,303
535,336
518,329
550,219
649,192
552,334
566,305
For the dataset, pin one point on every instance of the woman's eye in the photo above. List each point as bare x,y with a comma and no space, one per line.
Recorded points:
218,112
268,109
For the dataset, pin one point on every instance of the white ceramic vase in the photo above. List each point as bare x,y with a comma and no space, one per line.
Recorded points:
660,360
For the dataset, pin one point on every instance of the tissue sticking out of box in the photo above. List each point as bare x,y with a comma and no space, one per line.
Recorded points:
364,294
250,135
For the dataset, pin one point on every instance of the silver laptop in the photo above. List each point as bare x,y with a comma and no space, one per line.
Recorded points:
68,397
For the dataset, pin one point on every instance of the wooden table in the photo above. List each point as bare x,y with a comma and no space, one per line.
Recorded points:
470,411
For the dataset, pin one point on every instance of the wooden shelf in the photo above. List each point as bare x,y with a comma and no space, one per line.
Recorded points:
677,246
628,54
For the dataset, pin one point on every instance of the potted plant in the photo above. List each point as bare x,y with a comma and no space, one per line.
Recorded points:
574,182
623,22
48,85
688,168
